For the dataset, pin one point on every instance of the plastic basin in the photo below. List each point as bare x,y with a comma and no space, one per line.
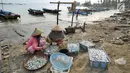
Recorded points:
60,61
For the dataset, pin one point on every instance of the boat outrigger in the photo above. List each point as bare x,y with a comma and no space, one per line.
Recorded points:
35,12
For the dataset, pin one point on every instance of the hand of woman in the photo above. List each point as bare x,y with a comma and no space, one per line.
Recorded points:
44,47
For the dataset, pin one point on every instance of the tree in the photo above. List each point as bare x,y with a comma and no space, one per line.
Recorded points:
87,3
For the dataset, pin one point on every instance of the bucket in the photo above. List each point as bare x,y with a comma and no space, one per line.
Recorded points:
73,49
83,48
70,30
65,51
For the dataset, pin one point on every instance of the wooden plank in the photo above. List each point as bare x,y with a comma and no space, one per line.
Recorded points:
62,2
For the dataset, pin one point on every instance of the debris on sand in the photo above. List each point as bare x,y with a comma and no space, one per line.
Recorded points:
18,33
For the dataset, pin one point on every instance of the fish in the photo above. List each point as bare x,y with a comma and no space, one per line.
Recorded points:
36,62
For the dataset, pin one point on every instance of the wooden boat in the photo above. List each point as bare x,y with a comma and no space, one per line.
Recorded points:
8,15
35,12
51,10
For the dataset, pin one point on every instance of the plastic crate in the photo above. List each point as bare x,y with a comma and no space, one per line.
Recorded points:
98,58
96,64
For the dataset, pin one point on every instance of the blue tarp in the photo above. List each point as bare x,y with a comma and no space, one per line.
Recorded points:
77,11
4,12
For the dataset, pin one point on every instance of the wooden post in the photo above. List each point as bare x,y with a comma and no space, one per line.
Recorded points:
58,12
72,19
84,27
73,7
73,10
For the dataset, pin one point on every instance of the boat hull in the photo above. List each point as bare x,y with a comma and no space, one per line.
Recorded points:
51,11
35,12
8,15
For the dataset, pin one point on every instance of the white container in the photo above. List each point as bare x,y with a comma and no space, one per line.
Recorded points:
73,47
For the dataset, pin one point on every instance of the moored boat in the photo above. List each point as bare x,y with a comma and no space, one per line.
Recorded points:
51,10
35,12
8,15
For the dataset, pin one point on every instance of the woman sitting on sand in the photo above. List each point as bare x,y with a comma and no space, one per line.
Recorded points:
36,42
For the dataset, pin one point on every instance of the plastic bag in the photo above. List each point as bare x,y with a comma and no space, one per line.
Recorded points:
120,61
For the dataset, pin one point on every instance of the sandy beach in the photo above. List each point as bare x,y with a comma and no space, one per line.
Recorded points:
114,37
105,27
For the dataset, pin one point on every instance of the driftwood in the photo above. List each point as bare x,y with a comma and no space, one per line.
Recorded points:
18,33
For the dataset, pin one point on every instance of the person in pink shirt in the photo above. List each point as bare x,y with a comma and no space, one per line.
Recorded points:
36,42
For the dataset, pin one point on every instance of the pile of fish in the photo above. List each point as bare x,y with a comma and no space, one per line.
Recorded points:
51,49
36,63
